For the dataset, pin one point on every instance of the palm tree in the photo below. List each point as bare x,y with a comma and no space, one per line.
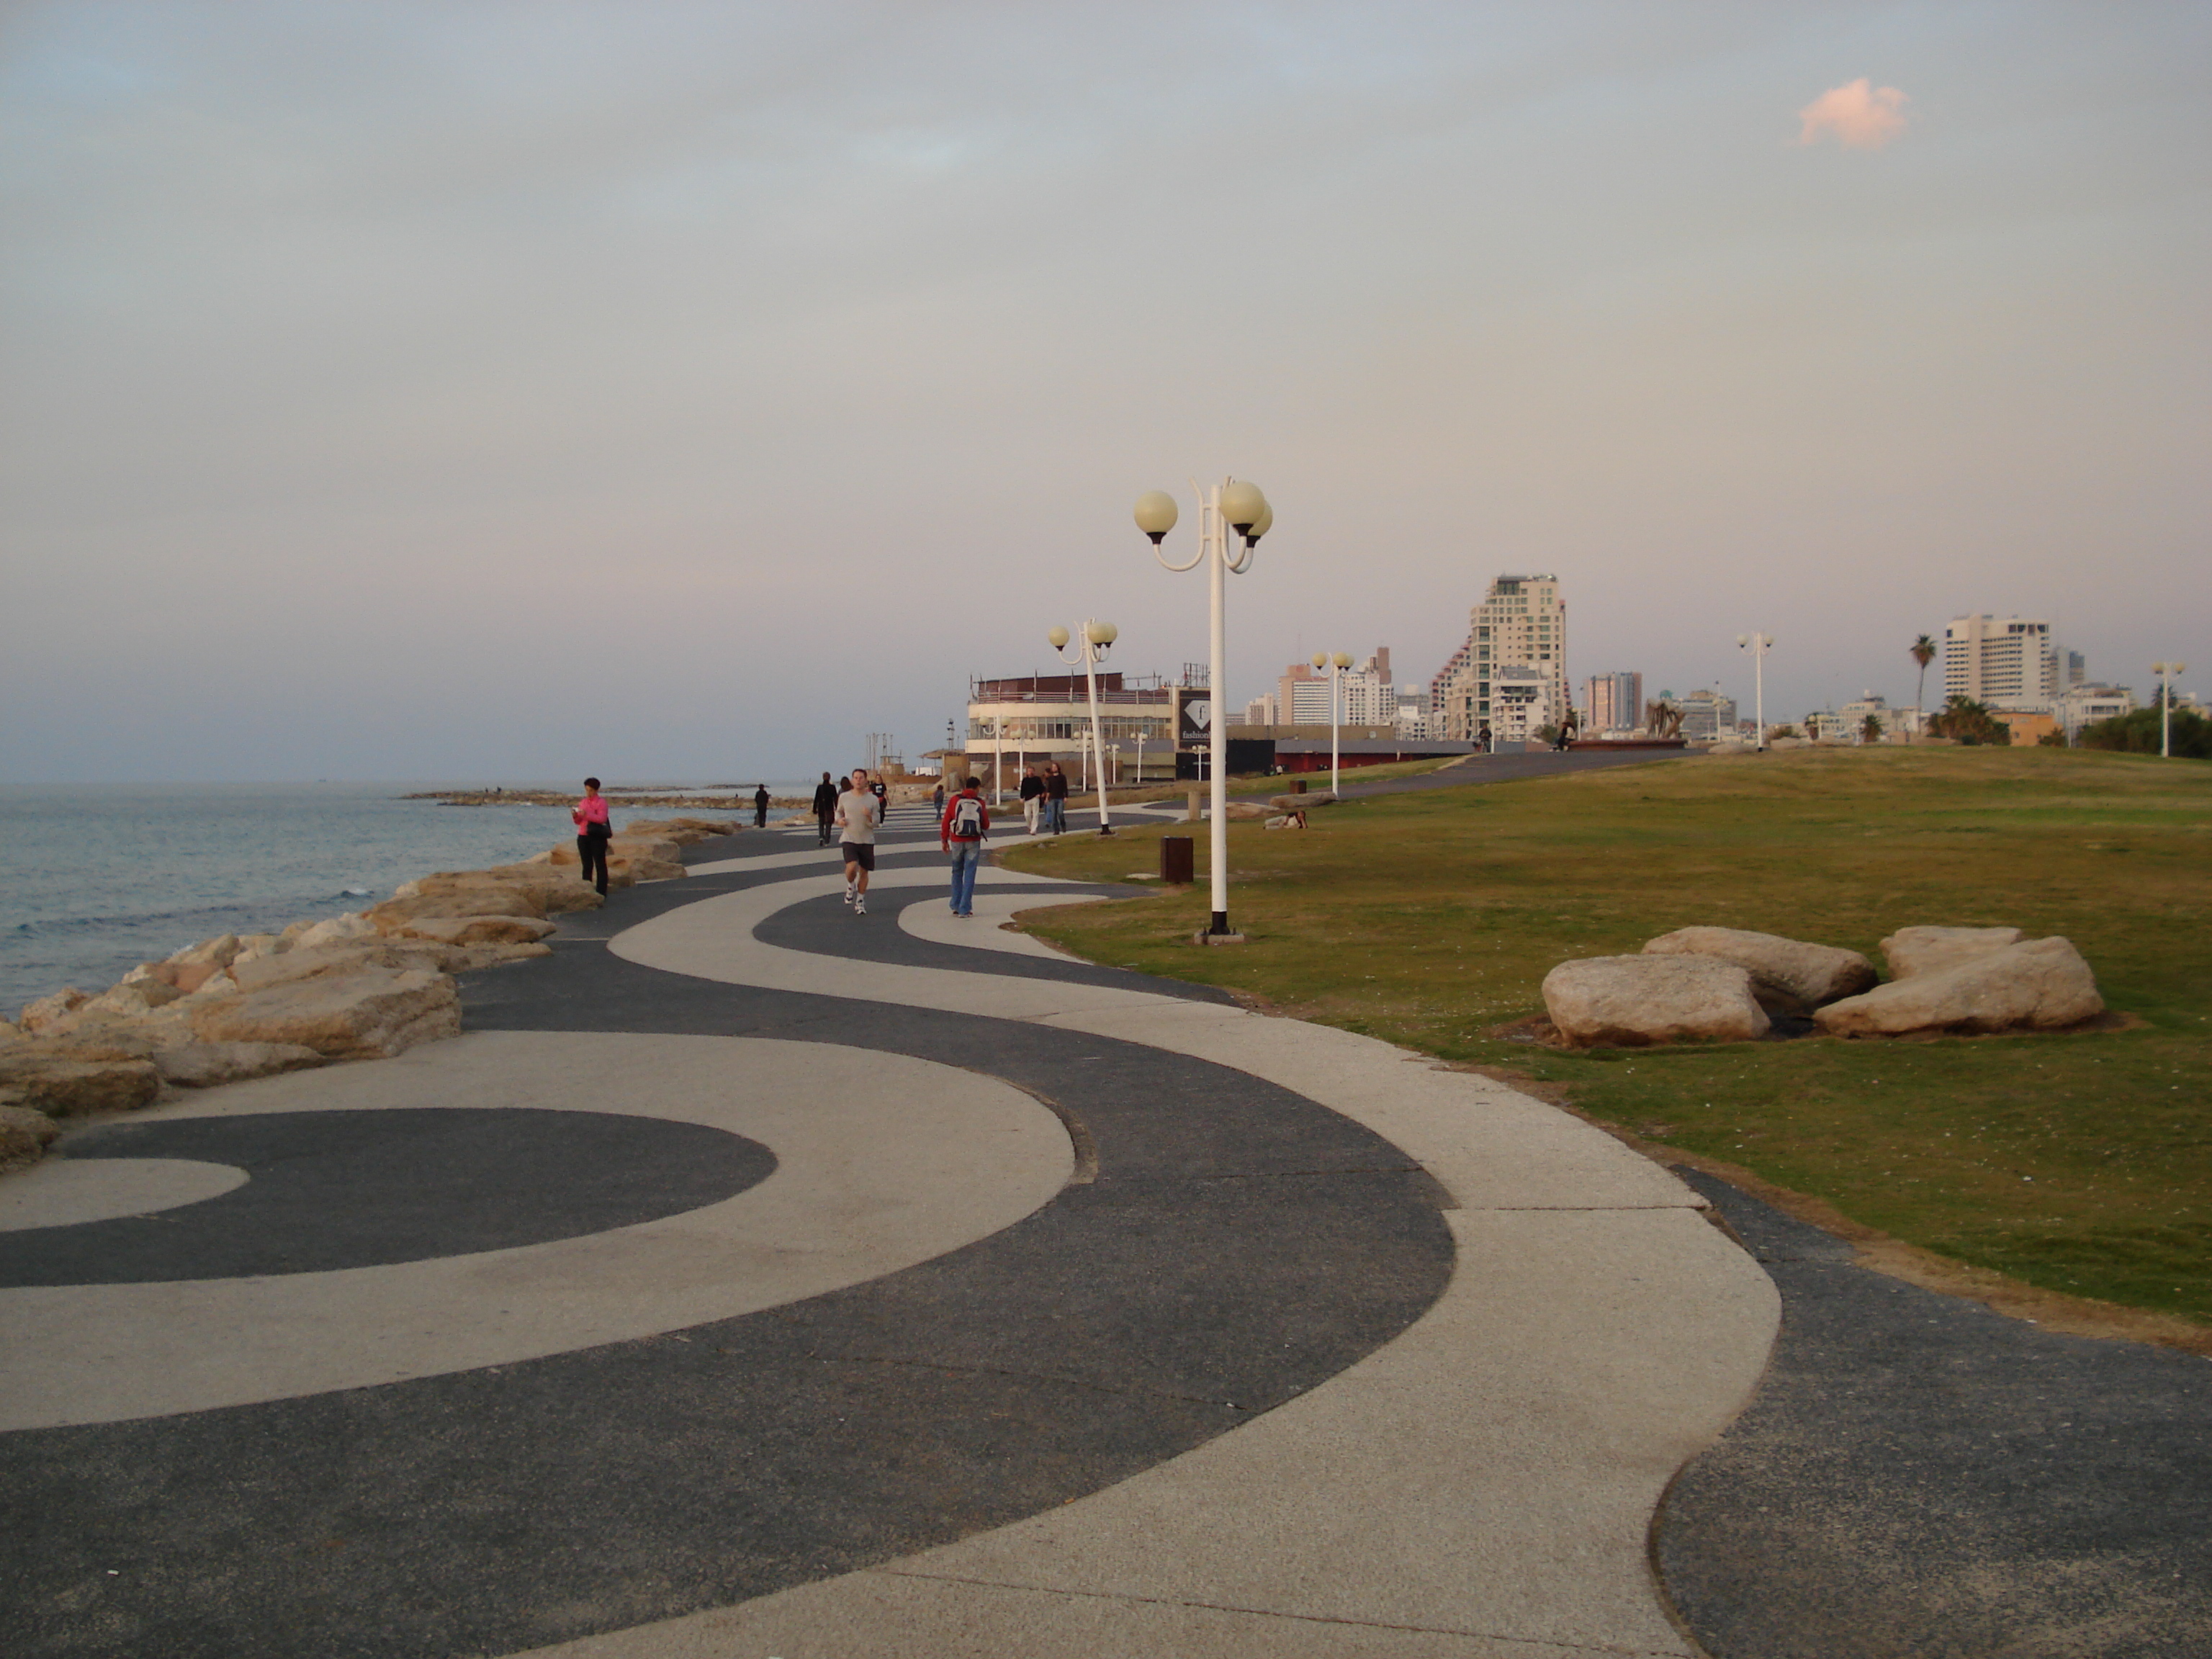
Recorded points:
1922,651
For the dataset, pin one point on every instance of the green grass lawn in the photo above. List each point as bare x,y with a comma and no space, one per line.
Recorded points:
2078,1164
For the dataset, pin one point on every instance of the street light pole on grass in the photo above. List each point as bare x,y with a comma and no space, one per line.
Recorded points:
1758,645
1336,665
1095,639
1236,506
2166,671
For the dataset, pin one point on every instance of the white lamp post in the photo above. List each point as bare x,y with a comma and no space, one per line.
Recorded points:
1758,645
2166,671
1092,644
1140,749
1336,665
1235,506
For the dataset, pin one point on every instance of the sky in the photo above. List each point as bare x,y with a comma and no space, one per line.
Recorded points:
488,392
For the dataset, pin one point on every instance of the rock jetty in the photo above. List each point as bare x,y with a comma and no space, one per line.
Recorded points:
362,986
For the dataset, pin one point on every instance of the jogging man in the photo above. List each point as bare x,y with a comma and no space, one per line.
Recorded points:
961,833
858,815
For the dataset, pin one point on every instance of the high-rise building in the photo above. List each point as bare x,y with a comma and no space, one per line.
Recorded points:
1996,659
1613,703
1521,623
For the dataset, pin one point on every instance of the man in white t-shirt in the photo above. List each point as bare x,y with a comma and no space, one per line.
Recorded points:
859,812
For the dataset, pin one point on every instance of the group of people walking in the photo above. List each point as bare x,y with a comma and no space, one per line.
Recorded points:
1045,795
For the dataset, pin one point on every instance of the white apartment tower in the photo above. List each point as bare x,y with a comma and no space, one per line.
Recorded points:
1999,660
1521,625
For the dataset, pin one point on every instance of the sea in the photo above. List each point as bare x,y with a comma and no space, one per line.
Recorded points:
102,877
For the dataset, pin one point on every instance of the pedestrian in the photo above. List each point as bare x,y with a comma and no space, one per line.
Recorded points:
859,812
1482,737
960,832
593,831
883,794
1055,798
1032,798
937,798
825,807
760,807
1568,728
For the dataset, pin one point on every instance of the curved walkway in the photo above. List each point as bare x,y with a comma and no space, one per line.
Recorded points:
1118,1320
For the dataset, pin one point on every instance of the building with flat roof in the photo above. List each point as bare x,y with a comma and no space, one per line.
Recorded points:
1613,703
1035,718
1706,714
1997,659
1521,625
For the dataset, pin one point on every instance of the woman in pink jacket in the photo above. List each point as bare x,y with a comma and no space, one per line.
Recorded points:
593,831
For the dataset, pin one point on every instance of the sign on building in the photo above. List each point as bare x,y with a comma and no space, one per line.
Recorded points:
1194,721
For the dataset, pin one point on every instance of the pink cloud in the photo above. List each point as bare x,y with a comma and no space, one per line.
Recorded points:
1858,116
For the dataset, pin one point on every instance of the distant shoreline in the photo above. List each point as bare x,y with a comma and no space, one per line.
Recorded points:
735,801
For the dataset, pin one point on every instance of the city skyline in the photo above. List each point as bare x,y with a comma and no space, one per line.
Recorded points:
487,391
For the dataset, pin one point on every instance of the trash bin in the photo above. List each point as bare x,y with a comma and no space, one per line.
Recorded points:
1175,859
1297,786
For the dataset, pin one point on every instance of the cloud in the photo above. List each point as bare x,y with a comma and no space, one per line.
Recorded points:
1860,116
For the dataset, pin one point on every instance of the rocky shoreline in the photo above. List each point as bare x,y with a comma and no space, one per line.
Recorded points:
731,800
362,986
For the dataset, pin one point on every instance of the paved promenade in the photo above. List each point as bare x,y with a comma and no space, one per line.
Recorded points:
756,1278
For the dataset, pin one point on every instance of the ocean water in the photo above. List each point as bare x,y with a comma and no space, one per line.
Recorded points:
101,878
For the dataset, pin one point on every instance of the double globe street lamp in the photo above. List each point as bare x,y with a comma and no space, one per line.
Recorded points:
1233,505
1092,642
1336,665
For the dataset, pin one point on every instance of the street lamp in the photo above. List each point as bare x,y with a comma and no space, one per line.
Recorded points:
1758,645
2166,671
1238,506
1092,643
1336,665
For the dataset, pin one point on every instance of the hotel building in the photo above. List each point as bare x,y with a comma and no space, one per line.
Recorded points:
1521,625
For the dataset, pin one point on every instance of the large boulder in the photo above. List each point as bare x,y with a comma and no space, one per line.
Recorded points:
204,1065
49,1011
479,930
1788,975
552,891
64,1086
24,1133
396,915
688,832
335,930
2037,985
1633,1001
1912,951
316,961
362,1014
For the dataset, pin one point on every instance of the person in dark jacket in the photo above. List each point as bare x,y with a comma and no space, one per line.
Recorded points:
1032,798
760,807
825,806
1055,798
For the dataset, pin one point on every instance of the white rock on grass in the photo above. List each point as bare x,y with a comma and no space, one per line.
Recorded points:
366,1013
1633,1001
2036,985
1788,975
1912,951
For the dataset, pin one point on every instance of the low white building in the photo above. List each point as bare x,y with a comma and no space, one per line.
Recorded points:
1520,702
2085,705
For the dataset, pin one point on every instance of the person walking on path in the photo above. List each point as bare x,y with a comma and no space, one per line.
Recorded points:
825,807
593,831
1032,798
859,812
1482,738
1055,798
1569,726
960,832
937,798
882,792
760,807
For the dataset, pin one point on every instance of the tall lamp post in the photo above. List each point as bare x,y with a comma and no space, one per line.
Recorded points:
1336,665
2166,671
1758,645
1091,643
1233,505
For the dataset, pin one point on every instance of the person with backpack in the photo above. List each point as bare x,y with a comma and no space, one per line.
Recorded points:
1032,798
825,807
961,833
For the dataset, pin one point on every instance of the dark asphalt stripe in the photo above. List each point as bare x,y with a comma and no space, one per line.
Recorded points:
1920,1476
327,1190
1129,1320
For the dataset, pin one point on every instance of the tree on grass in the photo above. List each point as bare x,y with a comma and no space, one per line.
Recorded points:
2137,733
1871,729
1922,651
1964,720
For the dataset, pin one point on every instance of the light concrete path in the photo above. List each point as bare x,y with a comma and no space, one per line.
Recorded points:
1483,1485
